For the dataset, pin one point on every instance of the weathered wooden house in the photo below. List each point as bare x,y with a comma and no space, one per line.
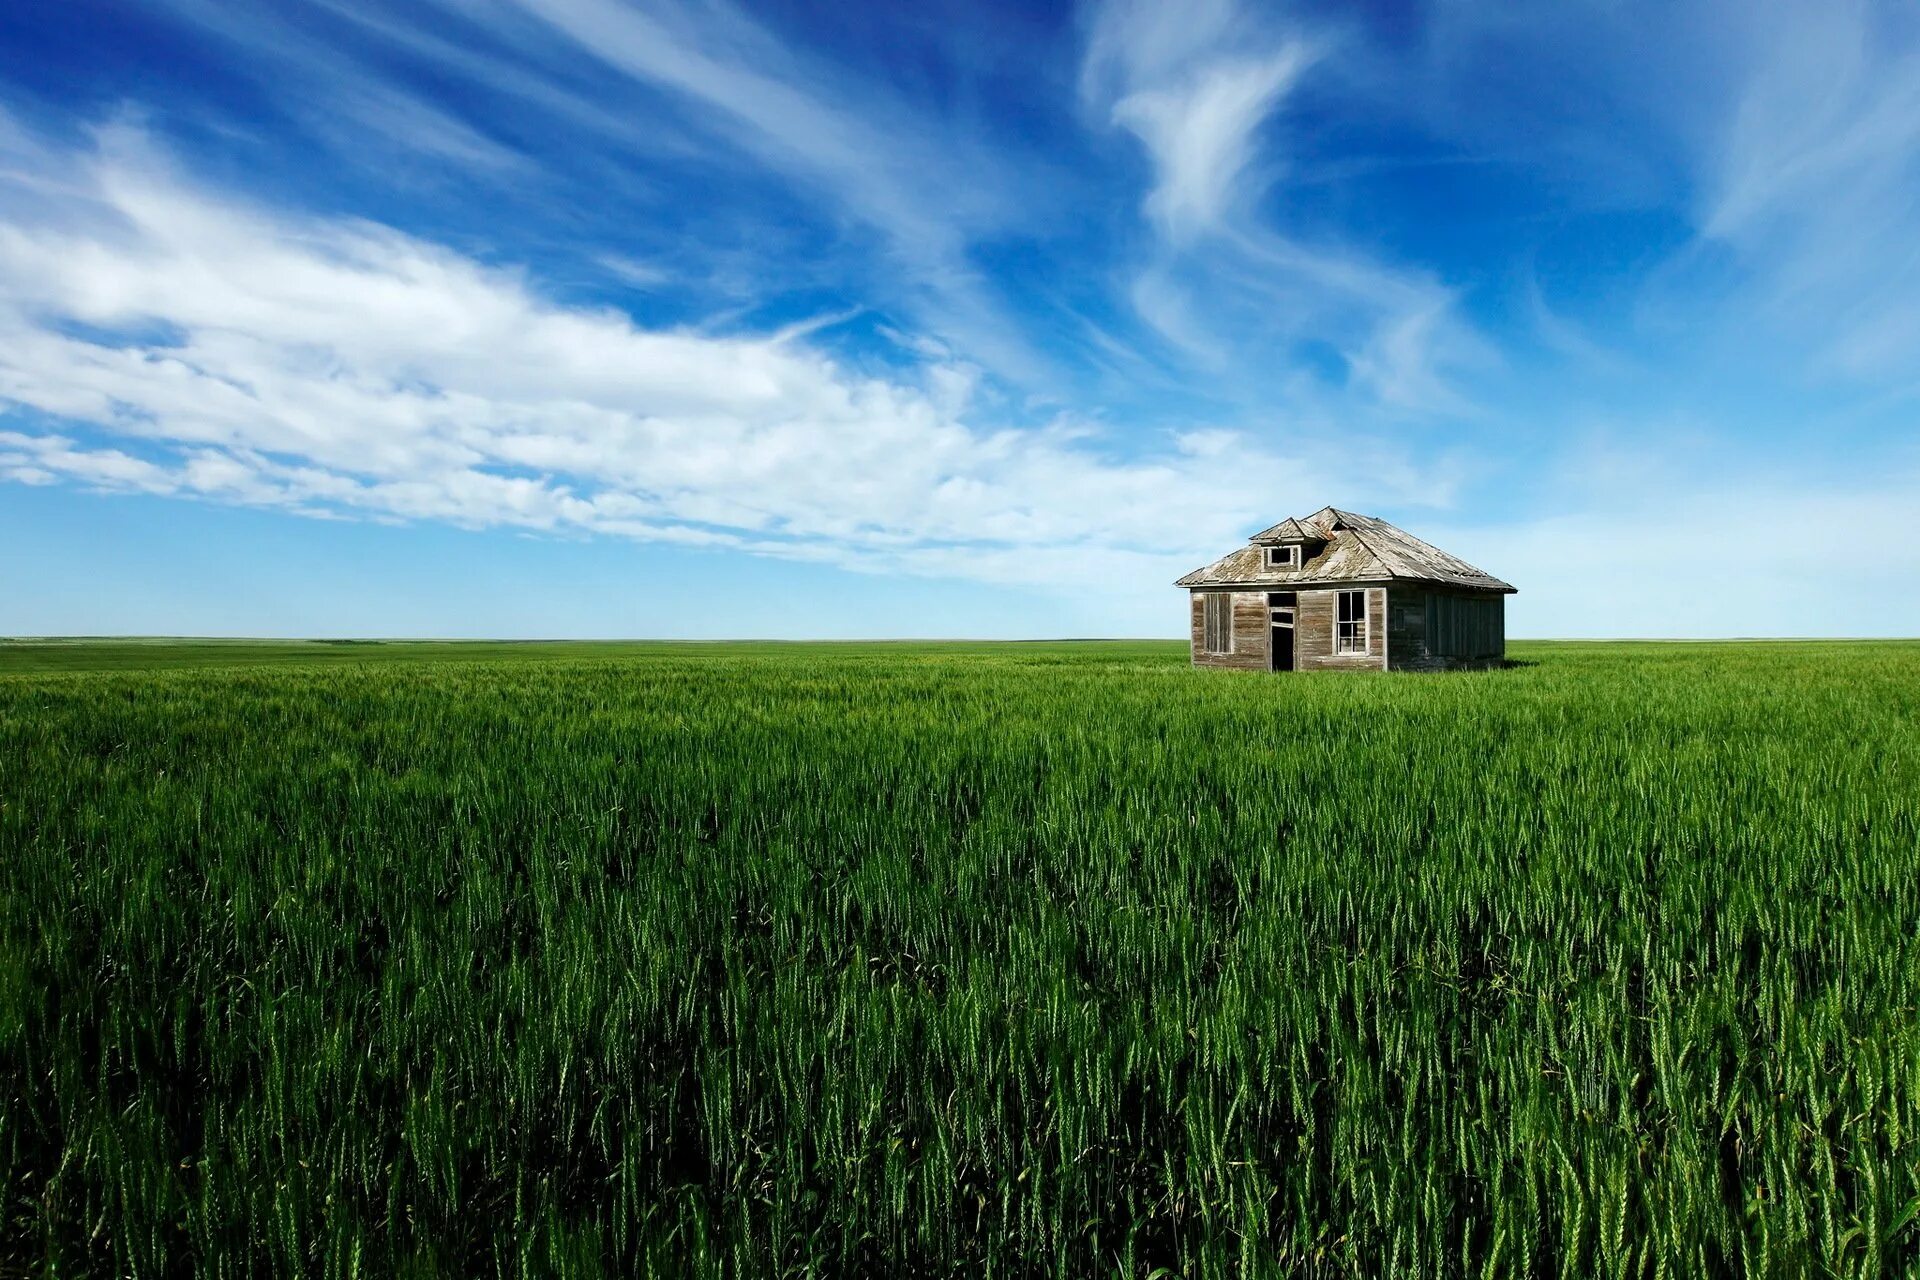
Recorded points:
1339,591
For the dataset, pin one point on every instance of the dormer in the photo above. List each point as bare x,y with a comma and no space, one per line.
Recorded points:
1288,545
1282,555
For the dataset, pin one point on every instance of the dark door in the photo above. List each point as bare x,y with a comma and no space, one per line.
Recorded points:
1280,642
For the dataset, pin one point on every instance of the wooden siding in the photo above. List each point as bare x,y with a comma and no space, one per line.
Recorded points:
1400,621
1407,630
1432,630
1313,637
1249,633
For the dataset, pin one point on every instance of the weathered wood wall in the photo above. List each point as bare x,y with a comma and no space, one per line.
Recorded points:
1432,630
1314,631
1408,629
1249,633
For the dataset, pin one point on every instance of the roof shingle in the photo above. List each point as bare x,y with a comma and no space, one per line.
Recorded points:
1289,530
1358,549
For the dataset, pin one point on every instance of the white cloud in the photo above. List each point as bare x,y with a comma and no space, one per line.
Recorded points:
863,170
356,109
1614,536
1193,84
1229,286
1784,136
1711,561
1815,182
756,93
1399,360
1200,134
157,337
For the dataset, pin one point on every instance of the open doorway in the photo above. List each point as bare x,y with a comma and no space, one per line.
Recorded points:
1280,613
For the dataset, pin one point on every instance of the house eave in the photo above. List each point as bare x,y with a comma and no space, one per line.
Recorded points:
1329,584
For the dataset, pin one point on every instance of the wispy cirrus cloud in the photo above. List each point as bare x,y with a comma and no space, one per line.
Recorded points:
860,145
159,337
360,110
930,185
1814,180
1782,140
1204,89
891,195
1181,80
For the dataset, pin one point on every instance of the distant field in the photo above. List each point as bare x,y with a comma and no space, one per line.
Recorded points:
87,654
1062,959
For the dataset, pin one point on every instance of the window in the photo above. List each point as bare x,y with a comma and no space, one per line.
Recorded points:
1217,634
1283,557
1280,599
1350,626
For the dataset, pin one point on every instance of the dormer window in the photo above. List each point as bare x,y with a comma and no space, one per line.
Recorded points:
1283,557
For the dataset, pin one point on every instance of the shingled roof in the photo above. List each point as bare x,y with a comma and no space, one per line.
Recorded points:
1290,530
1357,549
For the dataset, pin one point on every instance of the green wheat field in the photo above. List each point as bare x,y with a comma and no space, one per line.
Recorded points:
957,960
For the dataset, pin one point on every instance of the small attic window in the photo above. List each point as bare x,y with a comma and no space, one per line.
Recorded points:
1283,557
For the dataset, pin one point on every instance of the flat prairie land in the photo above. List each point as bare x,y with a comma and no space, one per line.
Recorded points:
957,960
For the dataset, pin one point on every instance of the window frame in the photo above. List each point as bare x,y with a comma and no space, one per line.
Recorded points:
1362,624
1292,553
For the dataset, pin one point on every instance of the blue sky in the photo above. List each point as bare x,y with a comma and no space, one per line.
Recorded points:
580,317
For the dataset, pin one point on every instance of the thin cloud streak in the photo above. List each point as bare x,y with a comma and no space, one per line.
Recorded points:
1201,90
1201,136
1785,138
1817,185
696,85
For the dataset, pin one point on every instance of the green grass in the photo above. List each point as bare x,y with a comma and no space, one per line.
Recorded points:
1055,959
84,653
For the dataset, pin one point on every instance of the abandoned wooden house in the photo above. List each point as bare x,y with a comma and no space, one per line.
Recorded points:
1339,591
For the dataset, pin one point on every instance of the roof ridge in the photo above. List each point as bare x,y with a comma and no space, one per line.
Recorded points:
1350,519
1376,550
1301,527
